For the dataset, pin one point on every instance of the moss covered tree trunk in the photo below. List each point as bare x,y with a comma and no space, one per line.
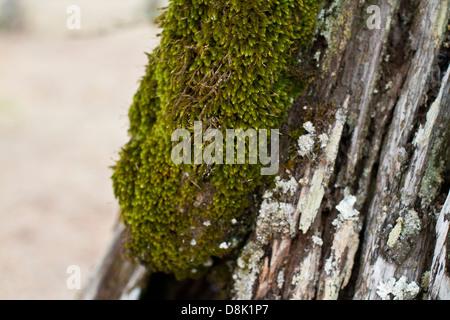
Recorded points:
360,207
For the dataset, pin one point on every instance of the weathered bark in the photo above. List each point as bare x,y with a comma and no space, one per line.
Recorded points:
363,216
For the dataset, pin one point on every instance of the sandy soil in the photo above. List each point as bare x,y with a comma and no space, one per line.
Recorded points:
63,119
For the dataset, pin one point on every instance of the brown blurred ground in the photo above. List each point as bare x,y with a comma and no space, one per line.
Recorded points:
63,119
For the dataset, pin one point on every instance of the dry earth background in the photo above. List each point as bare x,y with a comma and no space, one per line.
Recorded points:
64,97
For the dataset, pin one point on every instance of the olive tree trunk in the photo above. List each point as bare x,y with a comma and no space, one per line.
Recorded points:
365,215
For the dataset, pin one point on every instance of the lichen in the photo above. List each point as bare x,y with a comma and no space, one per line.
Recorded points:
437,169
280,279
425,281
332,18
309,127
304,274
338,266
438,164
286,187
317,241
305,145
398,289
275,216
347,212
225,63
247,271
395,233
411,224
309,205
405,228
323,140
440,23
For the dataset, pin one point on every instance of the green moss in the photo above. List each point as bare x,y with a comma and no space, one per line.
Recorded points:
227,64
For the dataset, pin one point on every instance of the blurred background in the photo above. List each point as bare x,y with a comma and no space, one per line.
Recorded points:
64,98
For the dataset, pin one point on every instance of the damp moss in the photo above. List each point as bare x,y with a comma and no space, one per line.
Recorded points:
225,63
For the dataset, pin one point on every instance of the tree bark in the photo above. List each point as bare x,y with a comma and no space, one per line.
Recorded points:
366,214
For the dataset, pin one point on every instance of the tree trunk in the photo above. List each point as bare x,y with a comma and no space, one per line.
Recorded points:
365,213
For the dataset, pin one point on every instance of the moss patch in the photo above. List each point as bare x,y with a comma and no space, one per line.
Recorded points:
227,64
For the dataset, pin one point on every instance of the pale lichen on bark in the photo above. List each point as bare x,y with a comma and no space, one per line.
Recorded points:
439,283
309,206
375,253
281,218
337,269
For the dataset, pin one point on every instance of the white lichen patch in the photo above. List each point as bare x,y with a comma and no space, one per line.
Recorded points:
323,140
247,271
309,127
285,186
268,194
328,267
305,145
275,216
317,55
398,289
224,245
208,263
307,141
317,240
207,223
346,211
280,279
303,181
411,224
338,266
